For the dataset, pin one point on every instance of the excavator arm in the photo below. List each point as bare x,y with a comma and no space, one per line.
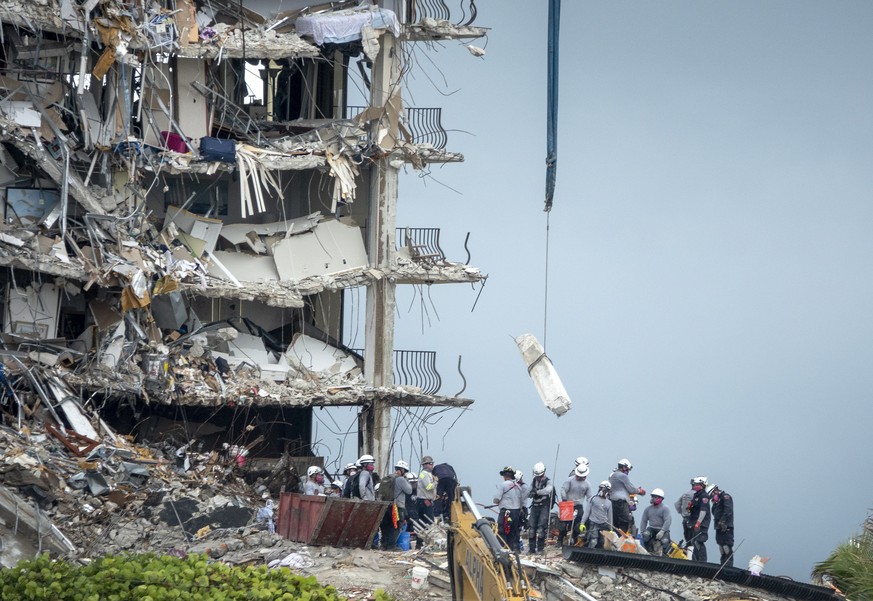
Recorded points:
481,567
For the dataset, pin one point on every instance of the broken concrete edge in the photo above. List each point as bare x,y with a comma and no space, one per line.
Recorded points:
258,393
272,293
30,521
430,30
246,43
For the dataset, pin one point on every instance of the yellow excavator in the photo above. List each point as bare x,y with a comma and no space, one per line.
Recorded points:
481,566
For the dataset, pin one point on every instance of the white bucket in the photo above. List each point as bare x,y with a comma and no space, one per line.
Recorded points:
755,566
419,577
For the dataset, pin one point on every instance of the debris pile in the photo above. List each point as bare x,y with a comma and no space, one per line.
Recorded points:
565,580
88,498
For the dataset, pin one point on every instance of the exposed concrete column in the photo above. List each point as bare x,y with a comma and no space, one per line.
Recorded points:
382,221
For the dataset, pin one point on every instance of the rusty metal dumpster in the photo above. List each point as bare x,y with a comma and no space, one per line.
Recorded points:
329,521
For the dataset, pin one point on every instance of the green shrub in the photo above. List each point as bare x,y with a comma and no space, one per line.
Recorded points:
850,566
150,577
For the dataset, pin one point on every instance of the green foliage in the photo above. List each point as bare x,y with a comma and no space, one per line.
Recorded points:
155,578
850,566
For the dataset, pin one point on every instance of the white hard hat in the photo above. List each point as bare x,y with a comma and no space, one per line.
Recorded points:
367,459
581,460
350,466
605,484
519,475
701,480
539,469
338,483
657,493
581,471
710,488
401,465
313,470
625,463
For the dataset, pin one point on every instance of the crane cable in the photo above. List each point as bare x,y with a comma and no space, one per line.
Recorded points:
551,137
546,285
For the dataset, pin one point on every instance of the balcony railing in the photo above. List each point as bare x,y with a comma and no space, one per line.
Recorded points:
415,368
416,10
424,124
423,243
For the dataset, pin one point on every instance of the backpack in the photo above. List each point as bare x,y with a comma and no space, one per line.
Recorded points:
385,492
355,490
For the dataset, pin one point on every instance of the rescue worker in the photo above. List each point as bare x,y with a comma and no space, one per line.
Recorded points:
683,508
393,522
412,505
314,484
366,488
542,495
655,524
723,514
349,472
619,495
427,489
447,481
523,523
579,461
699,516
598,513
509,498
576,489
336,489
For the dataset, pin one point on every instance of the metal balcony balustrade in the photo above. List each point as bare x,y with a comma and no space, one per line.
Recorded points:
424,124
465,14
423,243
414,368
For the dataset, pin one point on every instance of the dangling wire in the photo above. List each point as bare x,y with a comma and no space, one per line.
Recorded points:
546,285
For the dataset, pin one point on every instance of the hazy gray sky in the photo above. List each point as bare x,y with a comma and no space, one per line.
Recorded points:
709,281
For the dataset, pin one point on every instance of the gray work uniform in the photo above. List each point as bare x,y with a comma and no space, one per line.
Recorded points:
509,498
510,495
621,486
598,511
620,497
402,487
656,519
681,506
365,486
313,488
576,490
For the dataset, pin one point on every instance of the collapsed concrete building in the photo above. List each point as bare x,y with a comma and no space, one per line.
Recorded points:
176,250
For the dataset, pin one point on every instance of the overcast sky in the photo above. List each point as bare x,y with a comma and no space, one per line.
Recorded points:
710,294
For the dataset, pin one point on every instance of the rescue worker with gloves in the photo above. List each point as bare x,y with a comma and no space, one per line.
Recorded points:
655,525
620,495
577,489
598,512
723,514
699,516
542,495
509,498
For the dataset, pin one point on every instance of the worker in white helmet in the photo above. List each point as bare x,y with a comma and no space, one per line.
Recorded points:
655,525
542,495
